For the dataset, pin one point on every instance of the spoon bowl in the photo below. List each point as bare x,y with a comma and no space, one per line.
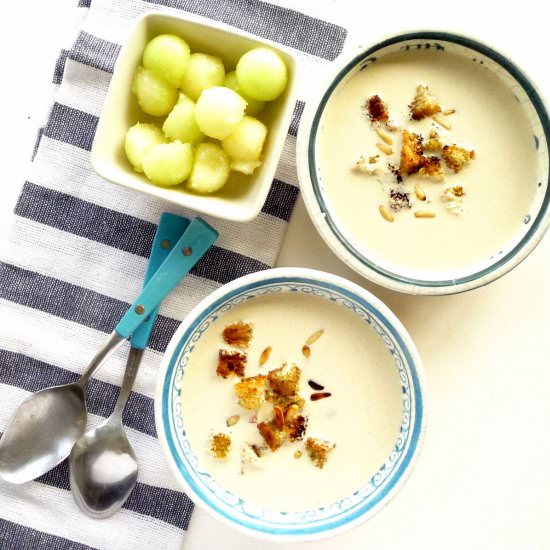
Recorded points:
28,449
104,469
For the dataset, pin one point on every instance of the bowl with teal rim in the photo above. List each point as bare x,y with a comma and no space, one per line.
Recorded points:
333,227
373,492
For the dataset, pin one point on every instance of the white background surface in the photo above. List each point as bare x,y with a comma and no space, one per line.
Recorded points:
482,478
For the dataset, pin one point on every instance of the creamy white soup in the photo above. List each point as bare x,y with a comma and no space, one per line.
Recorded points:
362,416
499,183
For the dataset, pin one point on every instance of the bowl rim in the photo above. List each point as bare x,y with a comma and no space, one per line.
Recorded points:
242,214
319,211
419,382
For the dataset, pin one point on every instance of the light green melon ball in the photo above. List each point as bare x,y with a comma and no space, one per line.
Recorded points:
203,71
246,141
219,111
140,138
168,164
210,170
180,124
253,106
155,96
262,74
167,56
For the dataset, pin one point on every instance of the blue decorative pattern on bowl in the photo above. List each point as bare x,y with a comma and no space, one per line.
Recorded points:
312,523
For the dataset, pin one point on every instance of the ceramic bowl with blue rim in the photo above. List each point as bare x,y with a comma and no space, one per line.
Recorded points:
391,448
489,237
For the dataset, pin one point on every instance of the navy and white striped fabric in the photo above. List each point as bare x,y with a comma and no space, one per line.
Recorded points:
75,260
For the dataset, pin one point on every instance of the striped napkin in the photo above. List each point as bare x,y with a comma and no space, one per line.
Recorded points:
75,259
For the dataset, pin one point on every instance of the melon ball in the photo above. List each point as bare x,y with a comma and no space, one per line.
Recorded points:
167,56
169,163
244,145
155,95
140,138
219,111
253,106
262,74
210,170
203,71
180,124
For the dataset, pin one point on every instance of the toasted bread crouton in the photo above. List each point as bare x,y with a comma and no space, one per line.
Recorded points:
318,450
220,445
433,143
273,436
285,380
376,109
251,392
238,334
230,363
250,458
411,153
424,104
456,158
432,168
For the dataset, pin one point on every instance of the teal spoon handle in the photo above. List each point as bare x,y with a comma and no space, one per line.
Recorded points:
169,232
198,238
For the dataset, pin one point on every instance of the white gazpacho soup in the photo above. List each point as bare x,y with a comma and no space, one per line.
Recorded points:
457,194
346,359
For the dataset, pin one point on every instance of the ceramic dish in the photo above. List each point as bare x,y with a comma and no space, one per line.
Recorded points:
242,198
528,192
397,444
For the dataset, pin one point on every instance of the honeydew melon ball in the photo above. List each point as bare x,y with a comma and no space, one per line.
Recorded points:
167,56
244,145
140,138
180,124
155,95
262,74
210,170
169,163
203,71
253,106
219,111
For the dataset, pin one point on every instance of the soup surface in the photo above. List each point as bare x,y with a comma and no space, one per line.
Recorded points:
362,416
499,183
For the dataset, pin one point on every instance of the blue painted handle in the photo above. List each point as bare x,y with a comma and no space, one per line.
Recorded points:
169,232
198,238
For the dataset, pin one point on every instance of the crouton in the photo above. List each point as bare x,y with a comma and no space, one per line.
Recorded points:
424,104
411,153
251,392
432,168
285,380
376,109
220,445
367,165
250,458
433,143
230,363
456,158
273,436
238,334
318,450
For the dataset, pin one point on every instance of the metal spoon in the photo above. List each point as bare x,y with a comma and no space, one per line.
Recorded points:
103,465
43,430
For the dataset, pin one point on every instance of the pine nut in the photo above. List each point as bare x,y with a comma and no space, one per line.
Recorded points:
420,195
384,148
441,122
449,112
385,214
314,337
383,136
424,214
